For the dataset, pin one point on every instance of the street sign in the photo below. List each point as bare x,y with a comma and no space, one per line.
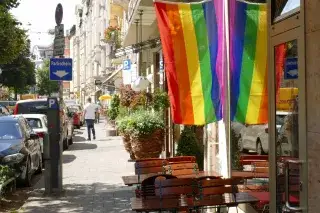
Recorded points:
53,103
59,14
60,69
59,31
59,43
98,82
127,64
291,68
58,52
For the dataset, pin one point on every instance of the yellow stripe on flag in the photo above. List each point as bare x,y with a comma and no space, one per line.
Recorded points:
193,63
259,72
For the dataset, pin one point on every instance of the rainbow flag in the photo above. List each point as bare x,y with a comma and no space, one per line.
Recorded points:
248,62
192,42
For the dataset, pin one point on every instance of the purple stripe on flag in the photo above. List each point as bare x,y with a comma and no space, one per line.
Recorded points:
218,4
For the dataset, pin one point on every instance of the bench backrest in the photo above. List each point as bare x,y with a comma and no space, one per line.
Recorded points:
260,167
147,188
183,168
175,187
191,159
249,159
149,167
218,186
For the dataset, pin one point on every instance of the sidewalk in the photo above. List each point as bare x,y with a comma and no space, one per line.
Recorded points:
91,177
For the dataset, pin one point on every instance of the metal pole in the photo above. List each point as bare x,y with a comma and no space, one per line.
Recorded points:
228,90
140,52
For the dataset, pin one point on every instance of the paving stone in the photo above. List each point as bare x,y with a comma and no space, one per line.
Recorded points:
92,181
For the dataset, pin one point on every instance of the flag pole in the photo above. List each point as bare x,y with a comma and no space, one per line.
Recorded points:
228,90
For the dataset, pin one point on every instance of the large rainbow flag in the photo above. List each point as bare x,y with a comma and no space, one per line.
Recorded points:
192,42
248,48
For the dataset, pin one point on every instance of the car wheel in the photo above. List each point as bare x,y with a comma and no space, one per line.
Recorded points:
40,166
70,141
27,180
65,144
259,148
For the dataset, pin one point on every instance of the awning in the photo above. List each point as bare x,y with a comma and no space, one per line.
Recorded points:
136,48
113,74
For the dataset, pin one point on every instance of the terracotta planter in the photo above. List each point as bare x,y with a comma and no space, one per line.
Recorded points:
127,145
148,146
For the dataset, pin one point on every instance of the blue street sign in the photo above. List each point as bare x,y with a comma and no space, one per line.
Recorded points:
291,68
161,65
127,64
53,103
61,69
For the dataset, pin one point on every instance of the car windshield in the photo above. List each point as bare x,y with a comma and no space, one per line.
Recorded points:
10,131
35,123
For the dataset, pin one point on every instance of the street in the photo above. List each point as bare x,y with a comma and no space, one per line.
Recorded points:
91,178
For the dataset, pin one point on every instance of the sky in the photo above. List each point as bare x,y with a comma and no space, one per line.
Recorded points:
41,15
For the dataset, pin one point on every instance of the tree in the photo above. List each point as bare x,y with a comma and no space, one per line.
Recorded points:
13,39
44,85
20,73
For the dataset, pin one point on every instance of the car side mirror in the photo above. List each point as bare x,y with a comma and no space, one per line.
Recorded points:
34,136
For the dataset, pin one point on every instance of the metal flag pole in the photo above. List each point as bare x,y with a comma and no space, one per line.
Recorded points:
228,89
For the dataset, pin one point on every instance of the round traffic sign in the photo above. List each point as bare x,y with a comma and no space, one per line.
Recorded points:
59,14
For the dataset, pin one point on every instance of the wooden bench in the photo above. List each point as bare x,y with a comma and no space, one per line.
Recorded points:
293,189
183,168
189,194
191,159
150,167
249,159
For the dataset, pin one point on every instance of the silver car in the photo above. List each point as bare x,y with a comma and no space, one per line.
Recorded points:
255,137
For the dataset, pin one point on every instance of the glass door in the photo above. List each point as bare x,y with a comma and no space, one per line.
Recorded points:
287,123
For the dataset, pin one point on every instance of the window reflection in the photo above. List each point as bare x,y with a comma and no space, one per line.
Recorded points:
287,144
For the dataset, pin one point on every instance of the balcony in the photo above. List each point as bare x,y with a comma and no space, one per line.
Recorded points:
149,23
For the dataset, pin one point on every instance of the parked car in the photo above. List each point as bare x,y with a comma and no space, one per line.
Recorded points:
20,147
80,112
9,105
255,137
39,124
39,106
4,110
74,115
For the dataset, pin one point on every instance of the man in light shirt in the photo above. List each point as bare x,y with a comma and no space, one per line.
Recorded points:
90,116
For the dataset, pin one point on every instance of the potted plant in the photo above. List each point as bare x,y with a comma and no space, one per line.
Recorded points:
146,133
189,146
160,100
114,108
112,35
123,126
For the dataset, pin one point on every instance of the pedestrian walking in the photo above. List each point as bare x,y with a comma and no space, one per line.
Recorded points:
98,111
90,116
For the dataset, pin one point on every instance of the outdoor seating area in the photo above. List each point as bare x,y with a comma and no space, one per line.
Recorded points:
177,185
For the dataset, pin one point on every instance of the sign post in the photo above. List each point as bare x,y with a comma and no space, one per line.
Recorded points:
60,69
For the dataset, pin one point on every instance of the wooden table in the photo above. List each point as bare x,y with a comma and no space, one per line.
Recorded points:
133,179
185,203
249,175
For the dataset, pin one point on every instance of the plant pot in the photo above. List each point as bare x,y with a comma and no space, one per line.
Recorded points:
148,146
127,145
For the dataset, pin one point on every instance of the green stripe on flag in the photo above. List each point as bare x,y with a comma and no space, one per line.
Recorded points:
200,28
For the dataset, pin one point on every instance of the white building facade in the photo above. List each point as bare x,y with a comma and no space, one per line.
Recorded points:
88,50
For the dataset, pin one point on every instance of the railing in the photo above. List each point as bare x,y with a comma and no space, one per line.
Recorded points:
131,8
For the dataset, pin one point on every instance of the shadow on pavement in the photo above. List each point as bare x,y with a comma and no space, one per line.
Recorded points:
97,197
68,158
17,198
77,138
82,146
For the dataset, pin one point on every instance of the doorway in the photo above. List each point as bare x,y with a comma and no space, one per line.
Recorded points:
287,111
